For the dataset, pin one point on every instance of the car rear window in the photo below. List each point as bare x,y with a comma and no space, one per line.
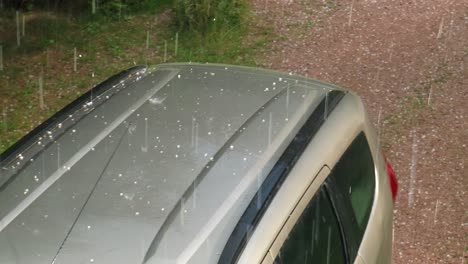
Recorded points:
352,184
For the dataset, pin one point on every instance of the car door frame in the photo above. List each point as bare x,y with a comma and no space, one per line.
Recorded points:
341,210
328,145
299,209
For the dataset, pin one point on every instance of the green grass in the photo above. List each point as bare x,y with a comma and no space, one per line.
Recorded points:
218,47
239,42
412,107
331,5
107,45
206,16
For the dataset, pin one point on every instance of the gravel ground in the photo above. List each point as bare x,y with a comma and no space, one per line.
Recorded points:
409,62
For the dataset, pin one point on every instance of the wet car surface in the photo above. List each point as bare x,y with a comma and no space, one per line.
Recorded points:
164,165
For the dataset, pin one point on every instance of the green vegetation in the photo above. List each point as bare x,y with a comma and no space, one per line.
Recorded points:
208,15
119,35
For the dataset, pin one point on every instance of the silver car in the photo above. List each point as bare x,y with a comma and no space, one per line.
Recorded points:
194,163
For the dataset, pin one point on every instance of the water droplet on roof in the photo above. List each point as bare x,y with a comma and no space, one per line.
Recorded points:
156,100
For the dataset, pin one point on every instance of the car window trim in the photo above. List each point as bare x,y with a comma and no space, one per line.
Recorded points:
343,208
328,191
294,216
343,241
264,195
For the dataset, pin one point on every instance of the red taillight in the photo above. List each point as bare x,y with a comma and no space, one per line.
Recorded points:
392,179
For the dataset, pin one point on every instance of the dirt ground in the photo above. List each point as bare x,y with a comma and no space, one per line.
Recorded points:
409,62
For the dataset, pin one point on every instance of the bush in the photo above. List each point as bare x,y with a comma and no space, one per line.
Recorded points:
113,9
205,15
127,8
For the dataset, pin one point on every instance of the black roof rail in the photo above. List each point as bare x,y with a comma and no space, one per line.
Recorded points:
258,205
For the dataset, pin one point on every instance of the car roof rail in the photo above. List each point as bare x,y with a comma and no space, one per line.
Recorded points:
23,149
258,205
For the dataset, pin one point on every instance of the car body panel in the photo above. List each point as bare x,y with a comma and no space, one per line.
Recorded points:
327,147
359,260
49,192
115,186
376,245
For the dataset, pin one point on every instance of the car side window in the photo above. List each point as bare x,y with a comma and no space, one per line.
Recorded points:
352,184
315,237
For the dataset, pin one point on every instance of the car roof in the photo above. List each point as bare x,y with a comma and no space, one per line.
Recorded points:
156,164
